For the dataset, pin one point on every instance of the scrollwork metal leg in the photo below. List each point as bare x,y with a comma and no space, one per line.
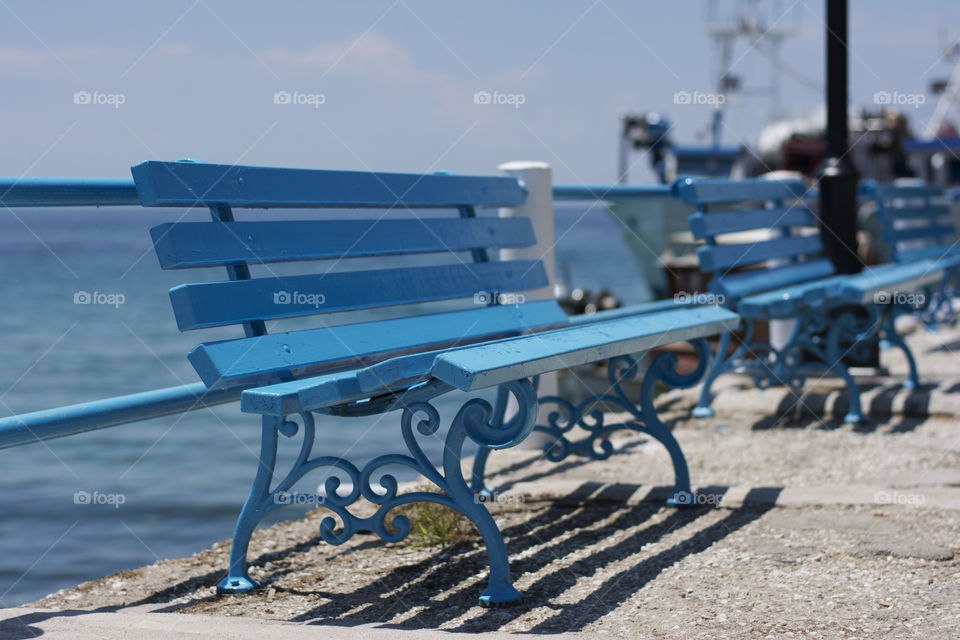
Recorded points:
475,420
482,453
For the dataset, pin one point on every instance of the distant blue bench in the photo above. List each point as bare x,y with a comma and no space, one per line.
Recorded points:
785,276
917,225
370,366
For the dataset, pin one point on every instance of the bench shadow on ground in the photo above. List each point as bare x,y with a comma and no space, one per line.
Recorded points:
811,411
565,534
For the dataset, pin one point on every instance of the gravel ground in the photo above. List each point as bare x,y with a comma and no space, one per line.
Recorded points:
885,566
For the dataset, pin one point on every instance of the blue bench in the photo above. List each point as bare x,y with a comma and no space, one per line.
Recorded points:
374,366
777,270
916,224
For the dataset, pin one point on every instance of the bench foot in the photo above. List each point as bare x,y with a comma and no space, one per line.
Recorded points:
682,499
231,585
500,597
854,418
702,412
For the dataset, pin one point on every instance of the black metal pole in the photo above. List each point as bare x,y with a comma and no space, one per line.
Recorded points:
836,175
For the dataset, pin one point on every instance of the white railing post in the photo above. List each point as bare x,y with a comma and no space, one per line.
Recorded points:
538,207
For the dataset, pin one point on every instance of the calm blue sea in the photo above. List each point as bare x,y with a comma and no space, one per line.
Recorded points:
181,479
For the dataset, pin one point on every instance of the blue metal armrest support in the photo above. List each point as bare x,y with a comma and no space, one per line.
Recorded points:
762,243
400,364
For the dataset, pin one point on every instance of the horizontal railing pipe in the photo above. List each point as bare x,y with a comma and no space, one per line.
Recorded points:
68,192
110,412
617,193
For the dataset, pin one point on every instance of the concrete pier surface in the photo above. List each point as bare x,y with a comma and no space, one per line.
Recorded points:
804,528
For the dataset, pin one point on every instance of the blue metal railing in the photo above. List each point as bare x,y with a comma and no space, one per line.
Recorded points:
68,192
618,193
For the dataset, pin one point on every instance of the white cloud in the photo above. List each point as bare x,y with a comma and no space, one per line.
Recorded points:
21,57
175,49
371,56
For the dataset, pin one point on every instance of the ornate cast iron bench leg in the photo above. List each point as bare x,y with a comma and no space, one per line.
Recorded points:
588,414
473,420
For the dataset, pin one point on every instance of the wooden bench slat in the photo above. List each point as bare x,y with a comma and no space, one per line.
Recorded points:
719,222
270,358
702,191
935,252
861,287
186,245
213,304
897,213
722,256
186,184
494,363
894,191
935,232
738,285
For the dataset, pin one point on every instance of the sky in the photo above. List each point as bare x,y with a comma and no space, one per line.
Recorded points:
400,85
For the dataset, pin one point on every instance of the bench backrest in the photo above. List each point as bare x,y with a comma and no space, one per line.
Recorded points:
915,219
747,223
395,229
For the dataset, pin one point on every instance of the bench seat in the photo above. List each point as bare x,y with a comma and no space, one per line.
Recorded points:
492,363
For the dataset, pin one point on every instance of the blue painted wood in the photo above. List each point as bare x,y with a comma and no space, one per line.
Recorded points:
496,362
737,285
67,192
213,304
705,191
265,359
185,245
489,363
901,278
185,184
712,223
893,191
723,256
890,213
935,232
946,253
